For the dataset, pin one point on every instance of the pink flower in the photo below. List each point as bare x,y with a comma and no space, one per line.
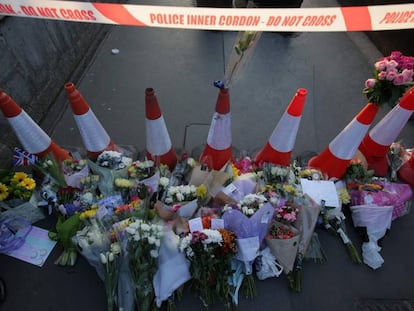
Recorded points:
408,75
382,75
370,83
381,65
392,64
398,80
391,75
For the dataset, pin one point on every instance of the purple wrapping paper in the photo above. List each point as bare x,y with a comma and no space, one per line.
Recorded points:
397,195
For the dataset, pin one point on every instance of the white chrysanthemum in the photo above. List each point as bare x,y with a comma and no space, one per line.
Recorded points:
250,211
103,257
213,236
154,253
164,181
157,242
151,240
131,230
185,242
145,227
168,200
137,237
115,248
180,197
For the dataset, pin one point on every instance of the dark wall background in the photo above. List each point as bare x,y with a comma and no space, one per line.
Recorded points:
37,57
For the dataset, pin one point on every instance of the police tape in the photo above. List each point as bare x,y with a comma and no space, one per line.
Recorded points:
356,18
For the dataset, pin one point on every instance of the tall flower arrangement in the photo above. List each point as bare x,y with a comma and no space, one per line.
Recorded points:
393,75
210,253
144,240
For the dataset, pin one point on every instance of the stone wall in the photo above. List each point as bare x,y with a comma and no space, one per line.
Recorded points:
38,57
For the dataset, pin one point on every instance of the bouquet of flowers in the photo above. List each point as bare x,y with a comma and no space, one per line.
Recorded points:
141,169
109,166
16,185
144,241
74,170
282,240
393,75
276,174
210,253
286,213
109,260
249,205
67,225
242,51
396,157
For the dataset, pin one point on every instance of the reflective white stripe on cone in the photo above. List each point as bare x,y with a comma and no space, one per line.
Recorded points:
377,142
94,137
218,150
29,133
335,159
158,142
279,148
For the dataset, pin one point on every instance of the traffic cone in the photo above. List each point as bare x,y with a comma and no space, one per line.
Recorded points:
334,160
218,150
29,133
377,142
279,148
406,171
159,147
94,137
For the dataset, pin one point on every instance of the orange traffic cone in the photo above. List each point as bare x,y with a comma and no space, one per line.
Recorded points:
94,136
279,148
406,172
30,135
377,142
218,150
335,159
159,147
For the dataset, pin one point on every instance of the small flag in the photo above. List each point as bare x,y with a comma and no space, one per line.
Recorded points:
22,157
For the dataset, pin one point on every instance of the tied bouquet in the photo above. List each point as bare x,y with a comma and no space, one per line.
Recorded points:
144,240
74,170
249,205
17,185
141,169
393,75
109,260
210,253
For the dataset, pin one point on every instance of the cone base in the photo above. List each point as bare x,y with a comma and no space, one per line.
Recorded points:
406,174
329,164
216,159
376,156
56,151
270,155
170,158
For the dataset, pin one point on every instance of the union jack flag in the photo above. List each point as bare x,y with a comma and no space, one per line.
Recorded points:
22,157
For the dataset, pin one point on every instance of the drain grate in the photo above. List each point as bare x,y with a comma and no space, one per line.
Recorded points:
371,304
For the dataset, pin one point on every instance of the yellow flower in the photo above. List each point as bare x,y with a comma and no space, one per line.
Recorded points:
28,183
344,196
88,214
18,177
289,189
124,183
201,191
235,170
4,193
